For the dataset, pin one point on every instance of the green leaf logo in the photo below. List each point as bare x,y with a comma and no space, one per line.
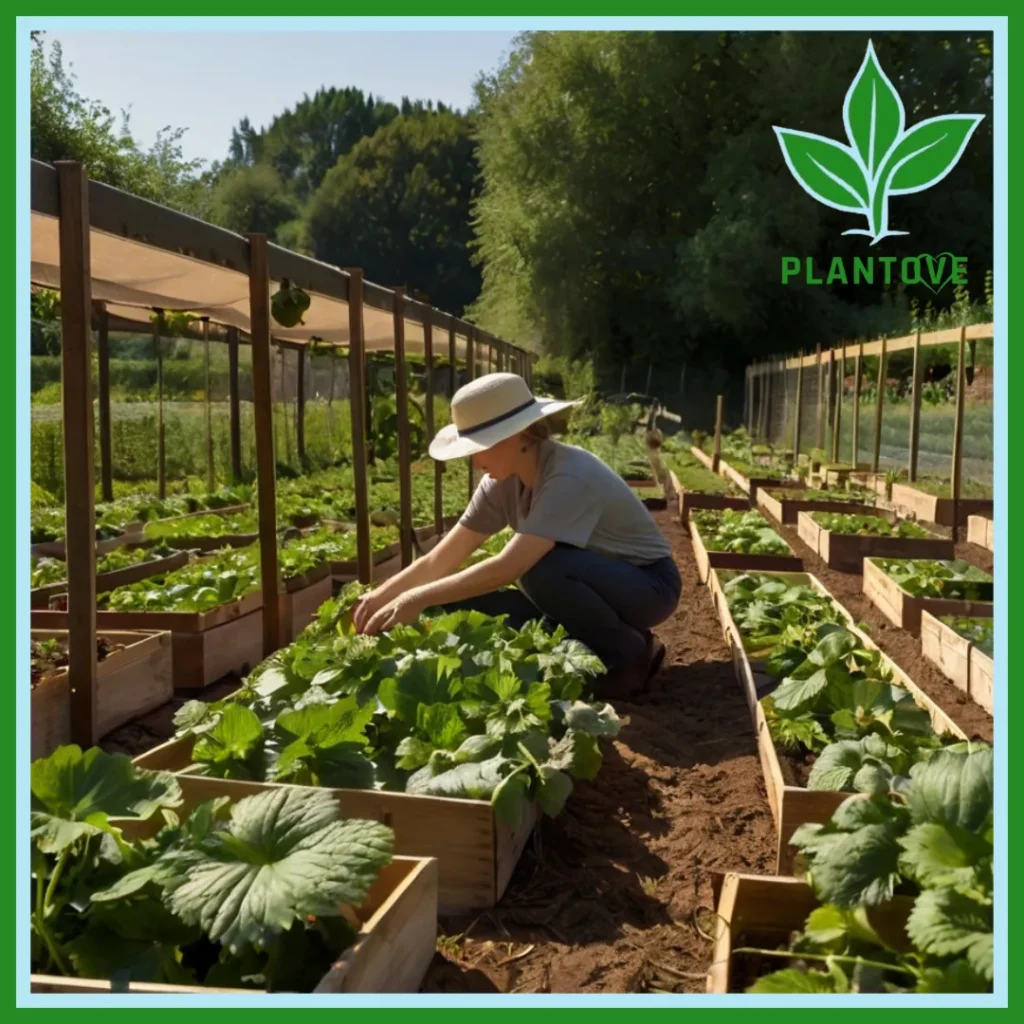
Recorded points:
883,158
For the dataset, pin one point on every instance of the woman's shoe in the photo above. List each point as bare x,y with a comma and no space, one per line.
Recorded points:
628,680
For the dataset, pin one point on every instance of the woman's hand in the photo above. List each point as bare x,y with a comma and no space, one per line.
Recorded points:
366,607
403,610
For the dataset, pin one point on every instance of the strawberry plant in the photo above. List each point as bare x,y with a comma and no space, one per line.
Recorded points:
929,838
249,895
867,526
459,705
979,631
745,533
48,571
52,655
922,577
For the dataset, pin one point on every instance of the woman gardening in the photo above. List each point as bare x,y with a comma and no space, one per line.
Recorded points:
586,555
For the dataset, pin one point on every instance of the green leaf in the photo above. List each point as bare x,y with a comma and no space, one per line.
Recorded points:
959,976
74,794
928,152
413,753
284,855
792,979
938,854
327,725
578,754
793,694
475,780
873,113
836,766
834,647
595,719
856,868
477,748
441,724
954,786
509,798
947,923
233,741
825,169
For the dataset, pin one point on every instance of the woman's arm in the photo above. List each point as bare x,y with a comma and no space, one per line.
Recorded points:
521,554
454,548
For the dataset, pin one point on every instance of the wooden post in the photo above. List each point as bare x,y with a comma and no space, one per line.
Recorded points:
161,467
103,358
857,374
300,408
263,414
958,433
717,452
79,500
471,366
767,402
837,399
650,370
915,410
211,477
235,411
821,422
404,448
799,399
357,404
428,415
453,366
879,398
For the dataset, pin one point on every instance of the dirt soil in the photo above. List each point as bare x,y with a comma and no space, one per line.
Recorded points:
904,649
614,894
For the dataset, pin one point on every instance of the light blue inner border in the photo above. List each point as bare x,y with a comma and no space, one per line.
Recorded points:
998,26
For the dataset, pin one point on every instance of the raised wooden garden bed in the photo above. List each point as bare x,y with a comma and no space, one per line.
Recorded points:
107,581
785,510
846,551
792,805
751,485
937,510
476,854
132,533
695,499
708,560
980,531
129,682
758,912
701,456
904,610
968,667
391,952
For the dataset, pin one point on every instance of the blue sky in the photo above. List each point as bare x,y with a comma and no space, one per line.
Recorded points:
208,82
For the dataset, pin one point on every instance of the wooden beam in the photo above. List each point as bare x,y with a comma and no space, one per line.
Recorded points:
857,375
837,398
428,415
161,459
234,407
357,405
79,510
915,411
103,360
879,399
404,447
471,366
453,367
956,474
300,408
797,414
717,451
820,443
263,412
211,476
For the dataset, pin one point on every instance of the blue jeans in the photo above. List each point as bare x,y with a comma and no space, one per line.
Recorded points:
605,603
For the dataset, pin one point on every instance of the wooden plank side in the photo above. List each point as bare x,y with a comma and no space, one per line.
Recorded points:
947,650
981,680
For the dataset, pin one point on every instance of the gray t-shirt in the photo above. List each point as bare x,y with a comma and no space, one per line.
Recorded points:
578,501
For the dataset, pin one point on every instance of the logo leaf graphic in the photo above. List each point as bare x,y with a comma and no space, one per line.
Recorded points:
873,114
826,169
928,152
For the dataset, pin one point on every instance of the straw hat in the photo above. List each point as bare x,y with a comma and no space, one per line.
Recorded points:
490,409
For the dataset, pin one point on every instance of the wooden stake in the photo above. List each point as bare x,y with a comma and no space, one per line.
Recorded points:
300,408
837,399
263,414
234,406
799,400
428,415
857,374
716,454
453,366
161,465
958,433
211,479
650,370
915,410
821,390
358,404
103,358
404,447
79,507
879,399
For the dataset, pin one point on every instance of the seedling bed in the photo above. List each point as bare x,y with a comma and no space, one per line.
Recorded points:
56,548
751,485
475,853
755,911
130,682
967,666
391,952
786,510
793,805
701,456
695,499
846,552
708,560
934,509
980,531
904,609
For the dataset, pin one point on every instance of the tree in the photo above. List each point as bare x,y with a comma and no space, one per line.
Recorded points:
398,205
252,199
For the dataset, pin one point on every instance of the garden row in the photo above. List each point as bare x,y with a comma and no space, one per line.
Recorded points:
882,806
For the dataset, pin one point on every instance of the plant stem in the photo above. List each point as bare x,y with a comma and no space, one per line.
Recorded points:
839,958
42,904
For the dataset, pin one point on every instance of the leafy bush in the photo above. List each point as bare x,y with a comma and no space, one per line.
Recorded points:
868,526
979,631
745,533
949,580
